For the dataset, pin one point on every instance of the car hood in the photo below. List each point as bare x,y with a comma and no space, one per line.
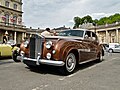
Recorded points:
5,45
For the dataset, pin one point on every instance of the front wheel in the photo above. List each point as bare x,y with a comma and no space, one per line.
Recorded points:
14,56
110,50
70,64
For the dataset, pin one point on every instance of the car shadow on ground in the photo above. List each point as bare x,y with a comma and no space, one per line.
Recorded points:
87,65
5,60
46,69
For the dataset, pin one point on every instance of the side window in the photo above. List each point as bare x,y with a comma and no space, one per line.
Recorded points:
87,35
117,46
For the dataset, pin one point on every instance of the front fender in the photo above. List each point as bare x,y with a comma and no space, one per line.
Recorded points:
15,48
66,48
67,51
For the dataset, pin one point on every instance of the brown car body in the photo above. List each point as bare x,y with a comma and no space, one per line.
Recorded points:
62,50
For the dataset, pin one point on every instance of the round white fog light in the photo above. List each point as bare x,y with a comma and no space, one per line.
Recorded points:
48,55
53,52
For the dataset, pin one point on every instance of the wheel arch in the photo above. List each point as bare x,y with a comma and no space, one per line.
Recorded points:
66,69
110,49
75,52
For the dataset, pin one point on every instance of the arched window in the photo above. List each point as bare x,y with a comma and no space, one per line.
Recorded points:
14,19
7,18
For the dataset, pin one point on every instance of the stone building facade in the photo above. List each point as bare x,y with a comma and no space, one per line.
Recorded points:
108,33
11,12
11,19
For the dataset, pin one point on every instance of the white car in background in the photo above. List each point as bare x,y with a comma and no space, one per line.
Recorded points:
113,47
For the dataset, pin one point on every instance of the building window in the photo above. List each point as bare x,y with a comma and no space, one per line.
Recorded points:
113,39
7,19
15,6
7,3
19,20
102,39
14,19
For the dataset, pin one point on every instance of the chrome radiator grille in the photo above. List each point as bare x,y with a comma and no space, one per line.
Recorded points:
35,46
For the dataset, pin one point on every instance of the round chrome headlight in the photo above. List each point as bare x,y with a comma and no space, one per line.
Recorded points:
48,56
48,44
25,45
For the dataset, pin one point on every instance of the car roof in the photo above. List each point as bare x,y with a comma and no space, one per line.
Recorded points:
79,29
113,43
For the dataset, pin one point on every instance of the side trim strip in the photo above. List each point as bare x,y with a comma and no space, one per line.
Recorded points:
88,61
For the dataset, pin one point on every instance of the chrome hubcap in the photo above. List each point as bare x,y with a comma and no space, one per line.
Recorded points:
70,62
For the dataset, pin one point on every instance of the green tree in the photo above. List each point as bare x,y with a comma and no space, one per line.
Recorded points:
102,21
87,19
109,20
77,21
95,21
115,18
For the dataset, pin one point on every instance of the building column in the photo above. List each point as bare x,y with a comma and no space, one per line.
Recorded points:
97,33
117,36
23,35
15,37
107,37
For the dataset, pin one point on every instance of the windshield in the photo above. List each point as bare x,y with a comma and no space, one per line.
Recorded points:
78,33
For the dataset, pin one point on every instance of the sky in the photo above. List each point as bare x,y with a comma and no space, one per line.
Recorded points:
57,13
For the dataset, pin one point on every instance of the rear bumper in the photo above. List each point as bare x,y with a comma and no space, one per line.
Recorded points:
42,61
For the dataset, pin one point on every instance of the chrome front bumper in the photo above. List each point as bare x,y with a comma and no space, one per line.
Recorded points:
20,58
43,61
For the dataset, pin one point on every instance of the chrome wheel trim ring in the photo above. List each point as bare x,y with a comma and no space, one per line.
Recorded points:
70,62
110,51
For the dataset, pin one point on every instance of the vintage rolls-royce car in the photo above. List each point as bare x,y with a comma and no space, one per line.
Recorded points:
7,49
66,50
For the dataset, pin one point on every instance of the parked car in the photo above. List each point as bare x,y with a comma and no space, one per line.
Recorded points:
105,46
113,47
69,48
17,51
7,49
11,42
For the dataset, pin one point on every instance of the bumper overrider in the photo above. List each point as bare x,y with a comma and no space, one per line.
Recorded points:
39,61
